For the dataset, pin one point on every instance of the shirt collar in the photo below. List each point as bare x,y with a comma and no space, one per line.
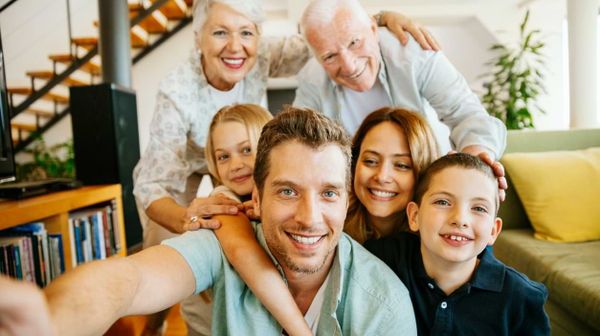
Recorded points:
489,274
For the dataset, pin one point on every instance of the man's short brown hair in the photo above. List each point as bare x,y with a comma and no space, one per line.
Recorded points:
302,125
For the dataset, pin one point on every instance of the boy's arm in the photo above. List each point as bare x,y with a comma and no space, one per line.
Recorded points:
254,266
87,300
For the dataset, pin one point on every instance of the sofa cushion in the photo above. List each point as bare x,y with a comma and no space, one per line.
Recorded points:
559,191
570,271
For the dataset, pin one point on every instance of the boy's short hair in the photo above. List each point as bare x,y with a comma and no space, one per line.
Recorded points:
461,160
304,126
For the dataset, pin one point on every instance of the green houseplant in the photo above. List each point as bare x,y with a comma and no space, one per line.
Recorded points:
515,80
55,161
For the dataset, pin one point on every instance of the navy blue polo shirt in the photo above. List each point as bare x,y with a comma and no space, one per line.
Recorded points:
498,300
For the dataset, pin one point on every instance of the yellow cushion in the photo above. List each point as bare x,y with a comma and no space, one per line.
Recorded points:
560,192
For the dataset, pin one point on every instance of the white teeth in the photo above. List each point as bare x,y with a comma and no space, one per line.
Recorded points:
380,193
305,240
458,238
233,61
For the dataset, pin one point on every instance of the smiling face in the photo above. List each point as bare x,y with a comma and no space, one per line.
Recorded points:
456,218
234,156
228,42
303,205
384,179
349,51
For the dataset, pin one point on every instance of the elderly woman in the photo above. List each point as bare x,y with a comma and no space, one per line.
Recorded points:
229,64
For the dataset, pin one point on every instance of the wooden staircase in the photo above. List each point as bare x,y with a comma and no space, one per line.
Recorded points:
37,107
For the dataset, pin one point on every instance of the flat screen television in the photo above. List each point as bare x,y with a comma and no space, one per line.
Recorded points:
7,161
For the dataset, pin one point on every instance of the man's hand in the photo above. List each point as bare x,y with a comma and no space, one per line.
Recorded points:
497,167
399,25
199,214
23,309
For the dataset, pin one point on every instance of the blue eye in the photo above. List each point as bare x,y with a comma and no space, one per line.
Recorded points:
480,209
330,194
287,192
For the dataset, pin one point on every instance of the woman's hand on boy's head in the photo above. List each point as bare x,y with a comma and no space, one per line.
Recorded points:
199,215
497,167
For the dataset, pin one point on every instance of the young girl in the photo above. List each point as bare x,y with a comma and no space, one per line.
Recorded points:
230,154
389,150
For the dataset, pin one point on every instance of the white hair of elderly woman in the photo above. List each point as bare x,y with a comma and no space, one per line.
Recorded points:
321,12
252,9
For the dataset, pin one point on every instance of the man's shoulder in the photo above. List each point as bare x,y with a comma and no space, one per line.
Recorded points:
393,51
312,73
361,268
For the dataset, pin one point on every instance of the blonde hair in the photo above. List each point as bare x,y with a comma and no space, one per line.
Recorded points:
423,151
252,116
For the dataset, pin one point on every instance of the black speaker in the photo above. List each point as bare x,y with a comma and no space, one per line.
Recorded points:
106,143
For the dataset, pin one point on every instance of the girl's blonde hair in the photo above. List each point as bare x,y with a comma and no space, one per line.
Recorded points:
252,116
423,151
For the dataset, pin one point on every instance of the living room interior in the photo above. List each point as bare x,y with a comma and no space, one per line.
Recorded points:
51,53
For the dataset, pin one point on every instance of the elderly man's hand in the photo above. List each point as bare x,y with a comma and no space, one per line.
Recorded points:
497,167
23,309
399,25
199,214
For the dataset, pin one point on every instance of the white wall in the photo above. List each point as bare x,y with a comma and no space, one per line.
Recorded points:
465,28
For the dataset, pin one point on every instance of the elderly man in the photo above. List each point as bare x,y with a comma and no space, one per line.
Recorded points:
302,200
358,69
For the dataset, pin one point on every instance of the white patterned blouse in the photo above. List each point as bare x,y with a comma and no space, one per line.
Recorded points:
172,164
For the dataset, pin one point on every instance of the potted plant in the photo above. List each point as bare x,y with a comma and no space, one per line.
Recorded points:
56,161
515,80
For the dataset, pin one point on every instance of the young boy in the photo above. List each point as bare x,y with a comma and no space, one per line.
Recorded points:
456,285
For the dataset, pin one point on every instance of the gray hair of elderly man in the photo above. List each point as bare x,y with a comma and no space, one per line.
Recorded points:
322,12
252,9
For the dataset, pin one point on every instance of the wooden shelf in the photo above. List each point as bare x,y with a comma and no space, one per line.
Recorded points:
53,209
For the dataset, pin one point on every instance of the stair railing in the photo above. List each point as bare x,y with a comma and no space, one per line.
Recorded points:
77,63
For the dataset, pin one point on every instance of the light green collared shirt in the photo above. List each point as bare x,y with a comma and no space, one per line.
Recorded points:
363,296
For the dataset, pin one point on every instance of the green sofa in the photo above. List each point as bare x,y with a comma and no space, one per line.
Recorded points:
570,271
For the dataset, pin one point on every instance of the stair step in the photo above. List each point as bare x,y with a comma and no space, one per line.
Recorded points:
87,43
23,126
138,36
90,67
174,9
41,113
155,23
45,74
55,97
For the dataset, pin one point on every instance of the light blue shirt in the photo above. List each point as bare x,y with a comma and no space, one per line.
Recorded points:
418,80
362,297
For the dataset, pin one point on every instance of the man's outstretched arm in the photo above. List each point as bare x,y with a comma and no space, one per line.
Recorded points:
89,299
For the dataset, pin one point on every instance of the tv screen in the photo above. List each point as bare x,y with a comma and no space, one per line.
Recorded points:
7,162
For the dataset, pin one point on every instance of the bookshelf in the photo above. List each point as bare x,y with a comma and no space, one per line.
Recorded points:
54,209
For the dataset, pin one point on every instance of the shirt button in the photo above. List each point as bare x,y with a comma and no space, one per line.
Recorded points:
444,305
430,285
